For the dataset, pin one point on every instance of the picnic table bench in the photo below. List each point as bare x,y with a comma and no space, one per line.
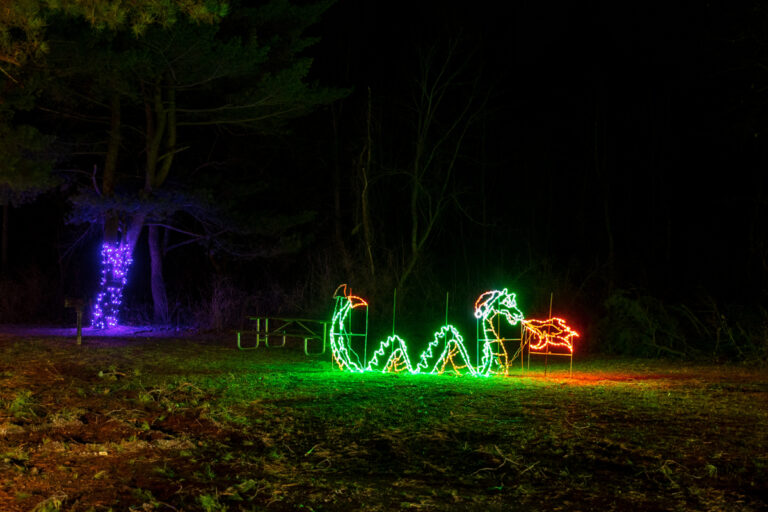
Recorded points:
270,326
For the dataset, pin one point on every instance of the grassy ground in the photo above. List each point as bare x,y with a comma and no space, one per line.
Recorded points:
148,424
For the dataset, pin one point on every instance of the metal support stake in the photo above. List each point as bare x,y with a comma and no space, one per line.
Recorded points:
529,353
365,340
546,354
394,308
477,343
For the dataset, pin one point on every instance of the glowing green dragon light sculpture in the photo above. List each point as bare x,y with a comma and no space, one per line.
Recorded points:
446,351
489,307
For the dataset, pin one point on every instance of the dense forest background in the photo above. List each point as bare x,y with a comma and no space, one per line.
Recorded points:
608,157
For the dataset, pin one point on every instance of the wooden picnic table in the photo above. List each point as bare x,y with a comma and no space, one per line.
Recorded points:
271,326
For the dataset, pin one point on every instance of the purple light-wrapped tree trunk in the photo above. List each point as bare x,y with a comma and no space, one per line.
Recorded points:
115,262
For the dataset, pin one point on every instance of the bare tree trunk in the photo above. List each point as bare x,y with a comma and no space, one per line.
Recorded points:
337,197
366,214
111,222
4,241
161,133
601,170
115,255
159,296
132,231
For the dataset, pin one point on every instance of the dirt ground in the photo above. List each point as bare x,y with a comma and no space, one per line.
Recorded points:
146,420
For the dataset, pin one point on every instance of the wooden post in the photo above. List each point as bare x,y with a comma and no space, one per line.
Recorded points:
78,305
79,325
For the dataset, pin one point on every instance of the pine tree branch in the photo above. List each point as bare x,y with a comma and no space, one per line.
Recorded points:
239,121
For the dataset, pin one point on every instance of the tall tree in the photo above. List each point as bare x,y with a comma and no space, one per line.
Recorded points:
23,39
175,86
447,103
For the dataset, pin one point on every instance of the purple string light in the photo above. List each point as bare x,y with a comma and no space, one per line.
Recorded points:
115,260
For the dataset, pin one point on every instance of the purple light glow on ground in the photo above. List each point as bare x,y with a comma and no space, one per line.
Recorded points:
123,332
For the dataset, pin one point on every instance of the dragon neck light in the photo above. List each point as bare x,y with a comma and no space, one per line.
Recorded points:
115,261
493,306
